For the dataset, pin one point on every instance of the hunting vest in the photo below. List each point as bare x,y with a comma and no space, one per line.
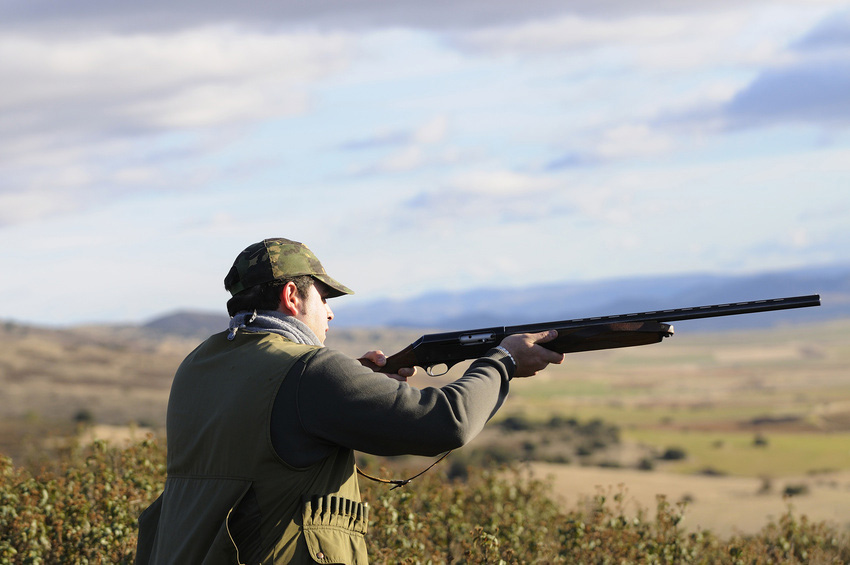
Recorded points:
228,497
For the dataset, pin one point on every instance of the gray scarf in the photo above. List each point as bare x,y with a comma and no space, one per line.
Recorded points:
271,321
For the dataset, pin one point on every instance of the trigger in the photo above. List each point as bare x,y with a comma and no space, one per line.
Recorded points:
442,367
430,369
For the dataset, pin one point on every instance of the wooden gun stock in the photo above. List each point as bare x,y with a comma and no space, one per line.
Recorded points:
403,359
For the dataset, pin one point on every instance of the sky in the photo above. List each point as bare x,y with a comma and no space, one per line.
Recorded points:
413,146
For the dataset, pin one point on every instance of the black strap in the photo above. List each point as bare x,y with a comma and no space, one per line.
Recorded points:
401,482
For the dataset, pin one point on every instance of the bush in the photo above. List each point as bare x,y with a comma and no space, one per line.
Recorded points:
555,440
796,489
516,424
674,454
85,511
84,416
646,464
711,472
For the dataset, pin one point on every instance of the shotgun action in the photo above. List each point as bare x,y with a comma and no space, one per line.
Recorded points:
582,334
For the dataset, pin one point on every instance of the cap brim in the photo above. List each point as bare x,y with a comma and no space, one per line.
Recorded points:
335,288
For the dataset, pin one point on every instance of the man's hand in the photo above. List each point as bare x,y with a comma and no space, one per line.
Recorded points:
379,359
530,357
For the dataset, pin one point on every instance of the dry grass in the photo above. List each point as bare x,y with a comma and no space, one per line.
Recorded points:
723,505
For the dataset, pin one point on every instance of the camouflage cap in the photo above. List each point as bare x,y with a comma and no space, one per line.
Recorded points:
277,258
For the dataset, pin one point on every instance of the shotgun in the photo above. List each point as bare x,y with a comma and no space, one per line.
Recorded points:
582,334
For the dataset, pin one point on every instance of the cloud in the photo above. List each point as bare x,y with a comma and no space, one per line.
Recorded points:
618,142
489,196
570,160
574,32
831,33
814,87
407,159
323,14
673,40
378,141
433,131
24,206
500,183
643,78
799,245
806,81
353,14
430,132
814,92
412,148
142,83
107,114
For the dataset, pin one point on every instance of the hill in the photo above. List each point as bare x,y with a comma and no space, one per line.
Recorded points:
188,323
107,375
485,307
568,300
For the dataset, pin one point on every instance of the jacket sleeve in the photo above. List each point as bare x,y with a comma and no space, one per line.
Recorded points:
341,402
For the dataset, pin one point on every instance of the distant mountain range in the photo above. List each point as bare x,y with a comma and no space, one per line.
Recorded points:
486,307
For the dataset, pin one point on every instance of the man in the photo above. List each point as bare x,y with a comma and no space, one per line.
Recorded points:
263,421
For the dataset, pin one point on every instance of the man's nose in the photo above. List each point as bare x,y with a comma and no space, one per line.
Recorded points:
330,312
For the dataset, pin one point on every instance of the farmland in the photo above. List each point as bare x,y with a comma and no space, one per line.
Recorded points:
711,419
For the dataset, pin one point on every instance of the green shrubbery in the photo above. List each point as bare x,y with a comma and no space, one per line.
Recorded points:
84,509
556,440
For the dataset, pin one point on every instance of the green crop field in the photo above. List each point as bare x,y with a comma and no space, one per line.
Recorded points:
712,394
748,454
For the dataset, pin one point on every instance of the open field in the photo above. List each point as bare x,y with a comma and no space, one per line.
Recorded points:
743,454
721,388
753,413
723,505
749,414
52,380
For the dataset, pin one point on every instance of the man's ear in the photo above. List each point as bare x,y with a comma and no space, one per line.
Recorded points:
290,300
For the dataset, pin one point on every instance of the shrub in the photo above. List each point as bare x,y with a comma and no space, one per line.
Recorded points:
674,454
84,416
646,464
711,472
516,424
796,489
85,511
